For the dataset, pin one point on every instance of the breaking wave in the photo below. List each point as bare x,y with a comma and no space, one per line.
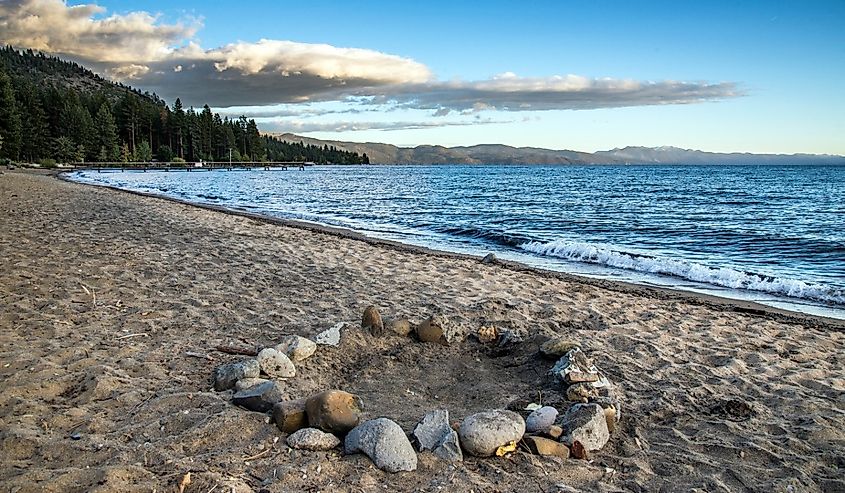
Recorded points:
723,276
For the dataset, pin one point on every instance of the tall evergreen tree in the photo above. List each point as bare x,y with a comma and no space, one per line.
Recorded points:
106,143
33,124
178,125
256,144
206,132
10,122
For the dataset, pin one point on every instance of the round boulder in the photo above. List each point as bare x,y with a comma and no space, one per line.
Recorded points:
226,376
483,433
401,326
436,329
334,411
312,439
540,420
297,348
275,363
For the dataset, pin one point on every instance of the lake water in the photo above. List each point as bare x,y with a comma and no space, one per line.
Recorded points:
771,234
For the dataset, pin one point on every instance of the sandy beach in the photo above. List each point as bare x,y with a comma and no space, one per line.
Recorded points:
102,294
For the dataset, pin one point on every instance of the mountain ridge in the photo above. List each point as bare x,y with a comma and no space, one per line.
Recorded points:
380,153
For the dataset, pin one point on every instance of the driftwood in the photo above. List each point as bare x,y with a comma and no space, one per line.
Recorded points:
143,334
237,350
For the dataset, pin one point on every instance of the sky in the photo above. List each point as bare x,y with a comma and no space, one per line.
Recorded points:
725,76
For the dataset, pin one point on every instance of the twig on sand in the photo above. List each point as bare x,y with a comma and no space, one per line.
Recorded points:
91,293
199,355
236,350
127,336
258,455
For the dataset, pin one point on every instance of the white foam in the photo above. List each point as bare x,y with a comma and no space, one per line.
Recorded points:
726,277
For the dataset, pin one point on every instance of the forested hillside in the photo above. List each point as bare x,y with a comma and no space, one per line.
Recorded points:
52,110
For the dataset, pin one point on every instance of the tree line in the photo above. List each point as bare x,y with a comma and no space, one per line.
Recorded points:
52,111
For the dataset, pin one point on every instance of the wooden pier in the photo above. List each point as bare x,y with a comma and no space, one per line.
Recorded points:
201,166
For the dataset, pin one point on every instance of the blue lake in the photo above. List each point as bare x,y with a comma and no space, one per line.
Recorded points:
771,234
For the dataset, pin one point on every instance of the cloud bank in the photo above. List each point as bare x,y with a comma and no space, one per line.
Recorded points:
140,49
510,92
298,126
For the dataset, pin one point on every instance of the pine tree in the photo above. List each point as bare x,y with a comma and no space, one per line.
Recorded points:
179,127
64,150
256,144
33,124
106,142
206,131
10,123
143,152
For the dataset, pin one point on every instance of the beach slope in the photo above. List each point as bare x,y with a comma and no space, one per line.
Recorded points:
110,300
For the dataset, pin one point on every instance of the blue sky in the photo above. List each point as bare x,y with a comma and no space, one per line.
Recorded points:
773,70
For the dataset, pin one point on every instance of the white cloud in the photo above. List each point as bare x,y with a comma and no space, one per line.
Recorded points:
78,31
166,58
508,92
288,58
131,71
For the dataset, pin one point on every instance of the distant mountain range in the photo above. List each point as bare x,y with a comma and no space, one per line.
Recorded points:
503,154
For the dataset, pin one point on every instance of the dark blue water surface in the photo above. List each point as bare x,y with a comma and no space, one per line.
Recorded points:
772,234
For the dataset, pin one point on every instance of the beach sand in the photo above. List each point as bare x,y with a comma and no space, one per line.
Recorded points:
102,293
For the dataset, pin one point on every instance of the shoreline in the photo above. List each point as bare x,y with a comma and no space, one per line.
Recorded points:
663,293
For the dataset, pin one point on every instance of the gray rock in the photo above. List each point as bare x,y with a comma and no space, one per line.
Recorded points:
260,398
248,383
226,376
574,367
449,448
540,420
490,258
585,423
330,336
297,348
275,363
434,433
482,433
372,320
384,442
312,439
430,430
508,337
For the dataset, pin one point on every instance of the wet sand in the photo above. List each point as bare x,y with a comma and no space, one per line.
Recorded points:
103,293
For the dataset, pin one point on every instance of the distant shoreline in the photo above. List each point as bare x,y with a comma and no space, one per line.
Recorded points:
663,293
380,153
